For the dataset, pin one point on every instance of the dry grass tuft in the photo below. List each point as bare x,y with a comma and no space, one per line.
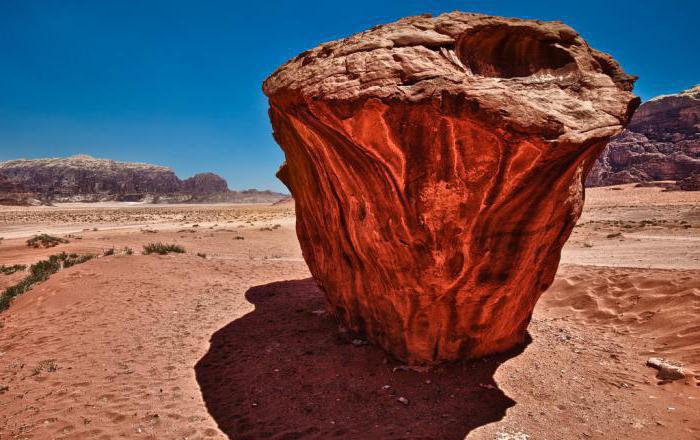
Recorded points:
162,249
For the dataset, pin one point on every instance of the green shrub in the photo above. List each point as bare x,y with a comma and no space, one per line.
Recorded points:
162,249
68,262
39,272
9,270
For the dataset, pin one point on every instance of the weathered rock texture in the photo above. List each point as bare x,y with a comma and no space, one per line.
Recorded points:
437,168
87,179
84,177
15,194
662,142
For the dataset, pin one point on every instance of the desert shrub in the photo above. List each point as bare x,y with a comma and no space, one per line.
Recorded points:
39,272
201,255
9,270
44,268
78,259
128,251
45,240
162,249
108,252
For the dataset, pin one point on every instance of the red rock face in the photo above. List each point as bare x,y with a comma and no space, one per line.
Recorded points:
437,168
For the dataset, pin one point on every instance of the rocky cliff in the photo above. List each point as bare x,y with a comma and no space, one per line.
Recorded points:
662,142
12,193
84,178
436,165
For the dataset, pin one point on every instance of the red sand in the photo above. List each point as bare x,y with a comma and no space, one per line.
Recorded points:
179,346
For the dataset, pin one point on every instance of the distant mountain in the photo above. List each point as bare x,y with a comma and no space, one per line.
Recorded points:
87,179
662,142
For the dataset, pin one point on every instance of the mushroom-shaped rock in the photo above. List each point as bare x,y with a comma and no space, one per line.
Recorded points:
437,166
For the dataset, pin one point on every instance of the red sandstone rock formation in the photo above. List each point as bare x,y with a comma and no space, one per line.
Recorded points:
437,168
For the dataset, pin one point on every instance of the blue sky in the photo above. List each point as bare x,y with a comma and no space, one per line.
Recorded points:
177,83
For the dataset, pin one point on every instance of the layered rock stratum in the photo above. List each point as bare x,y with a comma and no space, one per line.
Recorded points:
14,194
662,142
437,166
87,179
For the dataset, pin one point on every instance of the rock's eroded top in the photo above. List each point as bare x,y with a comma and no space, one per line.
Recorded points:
528,73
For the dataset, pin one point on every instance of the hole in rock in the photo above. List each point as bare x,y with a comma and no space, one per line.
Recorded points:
510,52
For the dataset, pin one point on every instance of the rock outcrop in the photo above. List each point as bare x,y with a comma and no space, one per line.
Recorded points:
662,142
83,177
437,167
204,183
86,179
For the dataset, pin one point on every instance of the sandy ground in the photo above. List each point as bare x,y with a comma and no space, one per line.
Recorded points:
237,343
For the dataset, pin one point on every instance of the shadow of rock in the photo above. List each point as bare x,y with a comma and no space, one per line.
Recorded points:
284,371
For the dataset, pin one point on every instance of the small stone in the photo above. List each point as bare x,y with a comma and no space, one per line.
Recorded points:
386,387
666,370
359,342
403,400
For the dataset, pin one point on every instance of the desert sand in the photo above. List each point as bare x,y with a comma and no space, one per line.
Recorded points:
237,342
